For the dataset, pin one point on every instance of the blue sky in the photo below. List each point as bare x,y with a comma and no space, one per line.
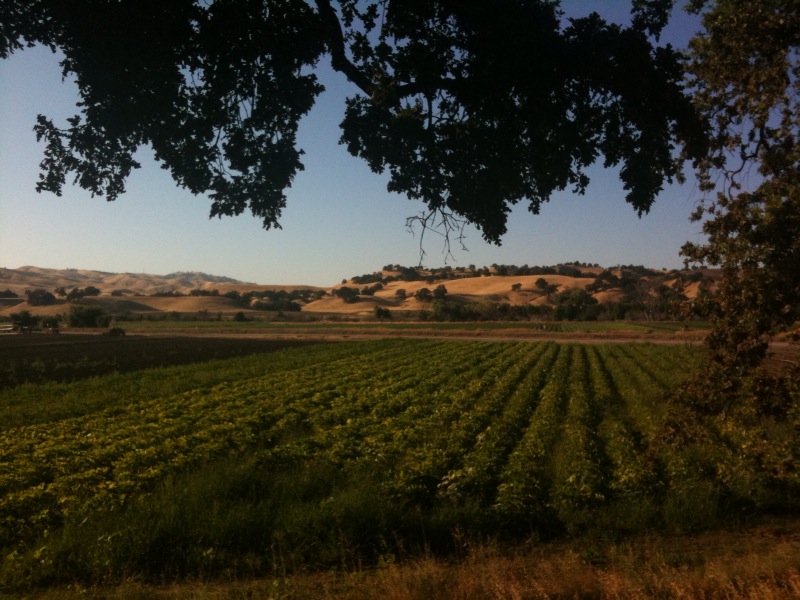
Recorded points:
340,221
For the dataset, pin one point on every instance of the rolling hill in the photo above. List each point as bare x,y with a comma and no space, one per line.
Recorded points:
395,288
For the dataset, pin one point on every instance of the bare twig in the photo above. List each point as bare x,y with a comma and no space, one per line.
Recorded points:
441,222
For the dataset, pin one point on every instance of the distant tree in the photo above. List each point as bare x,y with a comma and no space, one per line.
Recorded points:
75,294
348,294
569,271
440,292
61,292
89,315
401,294
408,273
666,303
117,293
382,313
605,280
90,290
24,320
370,290
423,295
575,305
8,294
40,297
516,287
240,317
546,288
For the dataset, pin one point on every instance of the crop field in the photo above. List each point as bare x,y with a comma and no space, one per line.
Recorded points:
35,358
667,327
342,454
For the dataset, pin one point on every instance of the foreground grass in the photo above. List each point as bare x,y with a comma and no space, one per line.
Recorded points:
755,563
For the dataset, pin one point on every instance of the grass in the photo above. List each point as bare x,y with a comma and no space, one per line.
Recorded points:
757,563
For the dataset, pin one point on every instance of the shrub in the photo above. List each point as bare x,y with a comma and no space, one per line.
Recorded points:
89,315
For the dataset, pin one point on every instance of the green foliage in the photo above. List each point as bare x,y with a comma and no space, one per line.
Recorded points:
40,297
575,304
24,320
8,294
288,461
348,294
382,312
87,315
746,75
469,107
423,294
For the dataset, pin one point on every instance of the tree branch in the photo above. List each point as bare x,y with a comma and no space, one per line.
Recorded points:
339,60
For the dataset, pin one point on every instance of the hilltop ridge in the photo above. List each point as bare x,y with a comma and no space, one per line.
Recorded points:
571,291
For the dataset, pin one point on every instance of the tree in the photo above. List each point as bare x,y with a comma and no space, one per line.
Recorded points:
440,292
51,322
471,107
423,295
348,294
575,304
546,288
75,294
745,70
87,316
8,294
382,312
40,297
24,321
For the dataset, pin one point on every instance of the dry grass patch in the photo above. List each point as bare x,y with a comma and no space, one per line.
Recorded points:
758,564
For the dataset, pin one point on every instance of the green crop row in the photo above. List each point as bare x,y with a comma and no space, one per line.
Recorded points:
360,443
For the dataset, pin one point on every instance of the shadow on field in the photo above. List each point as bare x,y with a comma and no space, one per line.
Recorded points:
69,357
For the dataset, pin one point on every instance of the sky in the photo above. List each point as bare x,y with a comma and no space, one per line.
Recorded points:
339,221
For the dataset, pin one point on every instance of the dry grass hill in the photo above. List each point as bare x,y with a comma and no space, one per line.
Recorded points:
394,288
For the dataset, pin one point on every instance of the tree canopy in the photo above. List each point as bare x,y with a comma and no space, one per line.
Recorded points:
745,72
471,107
